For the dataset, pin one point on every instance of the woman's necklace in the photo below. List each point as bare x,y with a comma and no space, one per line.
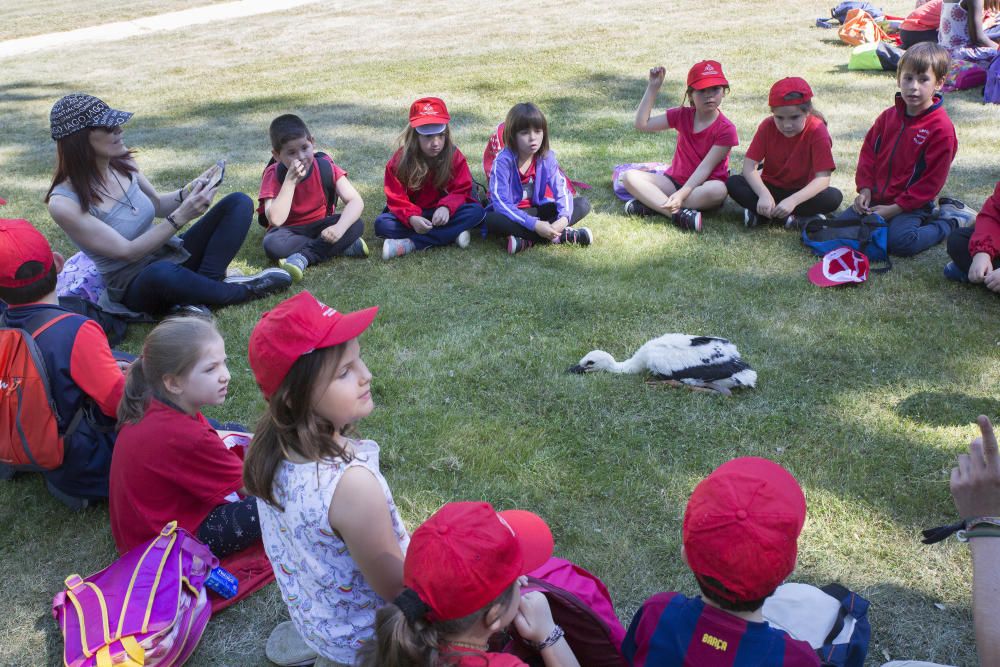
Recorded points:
128,200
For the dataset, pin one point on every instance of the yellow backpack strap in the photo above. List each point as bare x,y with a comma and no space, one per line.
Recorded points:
134,650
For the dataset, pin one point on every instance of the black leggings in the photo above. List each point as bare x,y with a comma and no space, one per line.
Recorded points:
500,225
826,201
231,527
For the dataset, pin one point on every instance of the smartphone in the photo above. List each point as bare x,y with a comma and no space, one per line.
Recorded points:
220,173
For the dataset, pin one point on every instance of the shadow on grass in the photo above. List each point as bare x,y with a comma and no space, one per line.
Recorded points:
47,625
938,408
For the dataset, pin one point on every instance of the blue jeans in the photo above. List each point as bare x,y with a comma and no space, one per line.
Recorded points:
213,241
911,232
388,226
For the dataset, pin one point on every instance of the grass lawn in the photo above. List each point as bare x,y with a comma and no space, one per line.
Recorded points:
865,394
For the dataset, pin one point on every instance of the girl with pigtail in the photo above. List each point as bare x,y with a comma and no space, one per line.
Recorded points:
463,574
169,463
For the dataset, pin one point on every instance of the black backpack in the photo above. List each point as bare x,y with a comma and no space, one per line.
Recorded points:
325,174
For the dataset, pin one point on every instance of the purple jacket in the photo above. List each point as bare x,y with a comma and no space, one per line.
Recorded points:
506,191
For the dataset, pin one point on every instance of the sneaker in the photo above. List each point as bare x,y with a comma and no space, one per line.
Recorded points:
799,221
516,244
952,272
295,265
953,209
579,236
750,218
357,249
74,503
286,647
464,239
636,209
397,248
189,310
688,219
264,283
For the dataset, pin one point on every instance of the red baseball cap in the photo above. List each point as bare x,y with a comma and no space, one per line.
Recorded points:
741,528
429,115
295,327
466,554
840,266
20,243
706,74
788,91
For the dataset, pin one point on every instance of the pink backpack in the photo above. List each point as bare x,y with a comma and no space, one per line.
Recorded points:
582,606
148,608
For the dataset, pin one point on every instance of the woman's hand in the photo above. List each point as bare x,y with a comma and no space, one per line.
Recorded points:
420,224
196,203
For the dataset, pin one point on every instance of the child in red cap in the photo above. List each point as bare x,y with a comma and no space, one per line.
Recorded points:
740,532
696,178
428,187
84,379
463,575
786,171
330,526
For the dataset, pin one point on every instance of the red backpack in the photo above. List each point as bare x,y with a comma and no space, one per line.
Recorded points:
582,606
29,422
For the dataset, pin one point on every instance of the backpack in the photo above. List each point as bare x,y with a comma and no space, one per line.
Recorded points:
964,74
877,56
582,606
869,235
841,11
30,439
148,608
619,170
860,28
833,619
325,175
991,93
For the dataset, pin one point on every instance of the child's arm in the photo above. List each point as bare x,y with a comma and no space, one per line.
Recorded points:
93,368
360,515
714,156
505,199
940,151
985,242
864,177
397,200
277,209
645,108
534,623
977,33
459,189
820,182
353,206
751,172
564,198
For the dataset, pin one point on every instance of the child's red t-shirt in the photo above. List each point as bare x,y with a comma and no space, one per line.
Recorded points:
791,162
309,200
454,656
692,147
168,467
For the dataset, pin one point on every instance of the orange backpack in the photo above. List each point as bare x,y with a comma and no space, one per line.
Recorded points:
861,28
29,424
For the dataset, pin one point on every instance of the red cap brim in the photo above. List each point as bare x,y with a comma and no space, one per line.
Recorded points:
701,84
818,278
534,536
351,325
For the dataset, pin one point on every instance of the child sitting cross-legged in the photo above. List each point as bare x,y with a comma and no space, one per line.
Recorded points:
303,228
463,575
740,532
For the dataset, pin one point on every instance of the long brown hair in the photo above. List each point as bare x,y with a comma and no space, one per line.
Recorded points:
291,426
401,643
414,167
77,163
173,347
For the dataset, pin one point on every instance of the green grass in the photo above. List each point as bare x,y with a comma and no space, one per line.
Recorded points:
865,394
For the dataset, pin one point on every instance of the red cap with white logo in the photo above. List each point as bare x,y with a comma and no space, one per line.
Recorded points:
840,266
295,327
706,74
429,115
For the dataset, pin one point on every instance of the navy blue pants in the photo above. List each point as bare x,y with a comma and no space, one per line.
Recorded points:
911,232
213,241
388,226
280,242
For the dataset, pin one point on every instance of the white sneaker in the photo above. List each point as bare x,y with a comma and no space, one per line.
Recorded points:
464,239
397,248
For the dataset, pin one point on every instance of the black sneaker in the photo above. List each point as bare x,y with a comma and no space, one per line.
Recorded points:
516,244
636,209
264,283
579,236
750,218
688,219
189,310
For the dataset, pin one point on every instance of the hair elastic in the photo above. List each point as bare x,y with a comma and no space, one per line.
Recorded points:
411,605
